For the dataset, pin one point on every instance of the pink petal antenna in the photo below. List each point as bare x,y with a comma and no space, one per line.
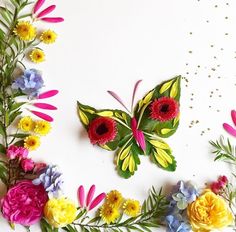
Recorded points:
81,195
42,115
90,195
97,201
46,11
229,129
134,92
38,5
48,94
233,116
45,106
53,19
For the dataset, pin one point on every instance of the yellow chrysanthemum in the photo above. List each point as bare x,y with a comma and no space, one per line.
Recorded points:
132,207
48,37
32,142
25,31
109,214
26,124
60,212
42,127
37,56
114,198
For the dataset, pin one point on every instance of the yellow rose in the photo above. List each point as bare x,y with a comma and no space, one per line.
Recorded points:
60,212
209,212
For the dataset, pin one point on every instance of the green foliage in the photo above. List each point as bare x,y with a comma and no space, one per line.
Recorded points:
45,227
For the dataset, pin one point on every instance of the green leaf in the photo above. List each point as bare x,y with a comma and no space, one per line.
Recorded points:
46,227
2,130
16,106
3,173
2,149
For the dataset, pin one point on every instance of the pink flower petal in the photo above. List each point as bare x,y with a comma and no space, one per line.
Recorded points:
42,115
46,11
134,92
229,129
141,140
53,19
81,195
45,106
233,116
97,201
48,94
90,195
38,4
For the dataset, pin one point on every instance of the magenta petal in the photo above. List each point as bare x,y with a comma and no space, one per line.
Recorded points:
81,195
48,94
97,201
46,11
45,106
90,195
233,116
141,140
229,129
42,115
53,19
38,4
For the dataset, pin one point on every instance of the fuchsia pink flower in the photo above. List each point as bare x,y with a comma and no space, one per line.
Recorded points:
27,164
41,15
229,128
219,185
17,152
89,203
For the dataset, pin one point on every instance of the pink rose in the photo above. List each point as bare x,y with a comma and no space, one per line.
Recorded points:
27,164
17,152
24,203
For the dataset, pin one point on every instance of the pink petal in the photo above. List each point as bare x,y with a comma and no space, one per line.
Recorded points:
90,195
97,201
38,4
229,129
81,195
134,92
141,140
46,11
53,19
233,116
42,115
45,106
48,94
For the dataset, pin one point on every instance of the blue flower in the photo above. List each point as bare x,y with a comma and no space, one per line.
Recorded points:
185,194
29,83
51,180
176,224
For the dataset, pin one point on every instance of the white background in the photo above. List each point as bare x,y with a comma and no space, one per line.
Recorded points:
109,45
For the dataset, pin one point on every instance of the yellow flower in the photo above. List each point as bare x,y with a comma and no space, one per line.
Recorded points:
109,214
48,37
114,198
60,212
25,31
32,142
132,207
37,56
26,124
42,127
209,212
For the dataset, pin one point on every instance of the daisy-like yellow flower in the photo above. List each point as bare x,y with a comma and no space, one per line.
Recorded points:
48,37
132,207
25,31
114,199
42,127
37,56
26,124
109,214
32,142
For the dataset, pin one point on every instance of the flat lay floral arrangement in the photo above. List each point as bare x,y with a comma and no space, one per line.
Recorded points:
34,191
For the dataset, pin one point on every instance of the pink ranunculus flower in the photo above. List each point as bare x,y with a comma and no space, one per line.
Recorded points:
38,167
27,164
24,203
17,152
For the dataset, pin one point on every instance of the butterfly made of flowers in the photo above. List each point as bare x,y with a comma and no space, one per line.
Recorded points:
139,131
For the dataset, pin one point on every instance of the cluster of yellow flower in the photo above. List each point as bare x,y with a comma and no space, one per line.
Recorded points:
36,128
27,32
115,204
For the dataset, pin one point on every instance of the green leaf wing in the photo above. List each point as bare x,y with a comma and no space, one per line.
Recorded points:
170,88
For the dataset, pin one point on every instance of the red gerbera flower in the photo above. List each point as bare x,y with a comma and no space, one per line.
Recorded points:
102,130
164,109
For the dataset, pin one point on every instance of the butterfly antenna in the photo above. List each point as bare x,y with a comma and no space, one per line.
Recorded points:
134,93
113,94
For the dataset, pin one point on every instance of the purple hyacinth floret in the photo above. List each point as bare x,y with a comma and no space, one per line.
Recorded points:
29,83
176,224
51,179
